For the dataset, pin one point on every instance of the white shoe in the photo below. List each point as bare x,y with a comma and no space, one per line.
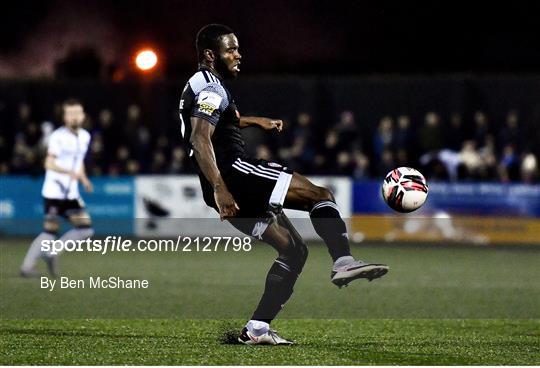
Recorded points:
268,338
342,274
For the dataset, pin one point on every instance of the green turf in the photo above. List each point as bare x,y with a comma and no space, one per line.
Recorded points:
438,305
319,342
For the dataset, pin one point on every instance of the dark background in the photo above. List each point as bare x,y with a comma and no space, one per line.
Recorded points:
326,59
298,37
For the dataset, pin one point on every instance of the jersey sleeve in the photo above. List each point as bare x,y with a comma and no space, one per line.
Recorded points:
210,103
53,146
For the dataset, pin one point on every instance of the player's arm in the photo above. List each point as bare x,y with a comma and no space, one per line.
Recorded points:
203,151
265,123
50,164
84,179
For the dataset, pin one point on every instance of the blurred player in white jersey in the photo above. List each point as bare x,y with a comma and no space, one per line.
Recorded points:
64,167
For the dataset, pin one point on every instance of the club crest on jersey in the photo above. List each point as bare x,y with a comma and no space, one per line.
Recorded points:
273,164
208,102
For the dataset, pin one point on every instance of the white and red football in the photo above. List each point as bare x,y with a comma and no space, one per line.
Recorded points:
405,189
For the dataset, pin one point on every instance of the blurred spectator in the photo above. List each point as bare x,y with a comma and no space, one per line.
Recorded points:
31,133
24,115
347,131
178,164
122,157
133,146
159,163
5,150
302,150
344,165
404,136
402,158
471,160
263,152
138,135
19,164
529,168
109,131
320,165
361,170
331,146
432,164
488,156
132,167
387,163
430,137
511,134
46,130
384,137
481,127
454,137
509,165
97,157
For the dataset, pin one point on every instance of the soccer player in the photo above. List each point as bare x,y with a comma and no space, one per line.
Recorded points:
251,193
64,167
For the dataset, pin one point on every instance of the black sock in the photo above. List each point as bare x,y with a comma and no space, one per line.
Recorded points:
330,227
277,290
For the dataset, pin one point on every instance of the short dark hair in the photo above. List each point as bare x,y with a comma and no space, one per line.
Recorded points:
71,102
208,38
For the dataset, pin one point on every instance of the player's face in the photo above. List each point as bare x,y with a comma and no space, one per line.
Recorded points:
73,116
228,63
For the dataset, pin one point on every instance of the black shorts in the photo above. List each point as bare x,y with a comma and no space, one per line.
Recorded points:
254,184
62,207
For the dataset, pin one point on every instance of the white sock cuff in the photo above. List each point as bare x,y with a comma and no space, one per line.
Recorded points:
341,261
325,204
257,328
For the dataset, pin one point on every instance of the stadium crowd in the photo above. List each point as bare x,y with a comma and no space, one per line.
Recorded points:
444,149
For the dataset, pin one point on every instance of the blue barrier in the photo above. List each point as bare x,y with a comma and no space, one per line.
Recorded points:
476,199
111,205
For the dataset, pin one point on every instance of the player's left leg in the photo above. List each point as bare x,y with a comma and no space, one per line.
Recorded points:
280,280
303,195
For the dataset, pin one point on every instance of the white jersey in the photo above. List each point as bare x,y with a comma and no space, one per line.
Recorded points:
69,150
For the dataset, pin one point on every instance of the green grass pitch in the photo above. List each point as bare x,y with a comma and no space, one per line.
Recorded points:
438,305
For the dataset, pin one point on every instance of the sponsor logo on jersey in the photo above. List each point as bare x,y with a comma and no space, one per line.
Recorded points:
208,102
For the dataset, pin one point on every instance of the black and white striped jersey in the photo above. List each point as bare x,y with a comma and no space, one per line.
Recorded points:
205,96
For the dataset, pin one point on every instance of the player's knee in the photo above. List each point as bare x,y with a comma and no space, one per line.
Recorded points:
296,254
81,220
51,225
302,254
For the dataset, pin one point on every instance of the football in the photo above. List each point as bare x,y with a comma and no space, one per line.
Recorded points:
404,189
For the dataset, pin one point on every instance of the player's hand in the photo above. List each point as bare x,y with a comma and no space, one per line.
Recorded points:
226,204
75,175
269,124
87,184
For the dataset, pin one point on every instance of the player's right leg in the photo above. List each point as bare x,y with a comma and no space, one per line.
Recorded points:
79,218
51,225
280,280
303,195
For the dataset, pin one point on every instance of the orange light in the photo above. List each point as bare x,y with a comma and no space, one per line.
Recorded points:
146,59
